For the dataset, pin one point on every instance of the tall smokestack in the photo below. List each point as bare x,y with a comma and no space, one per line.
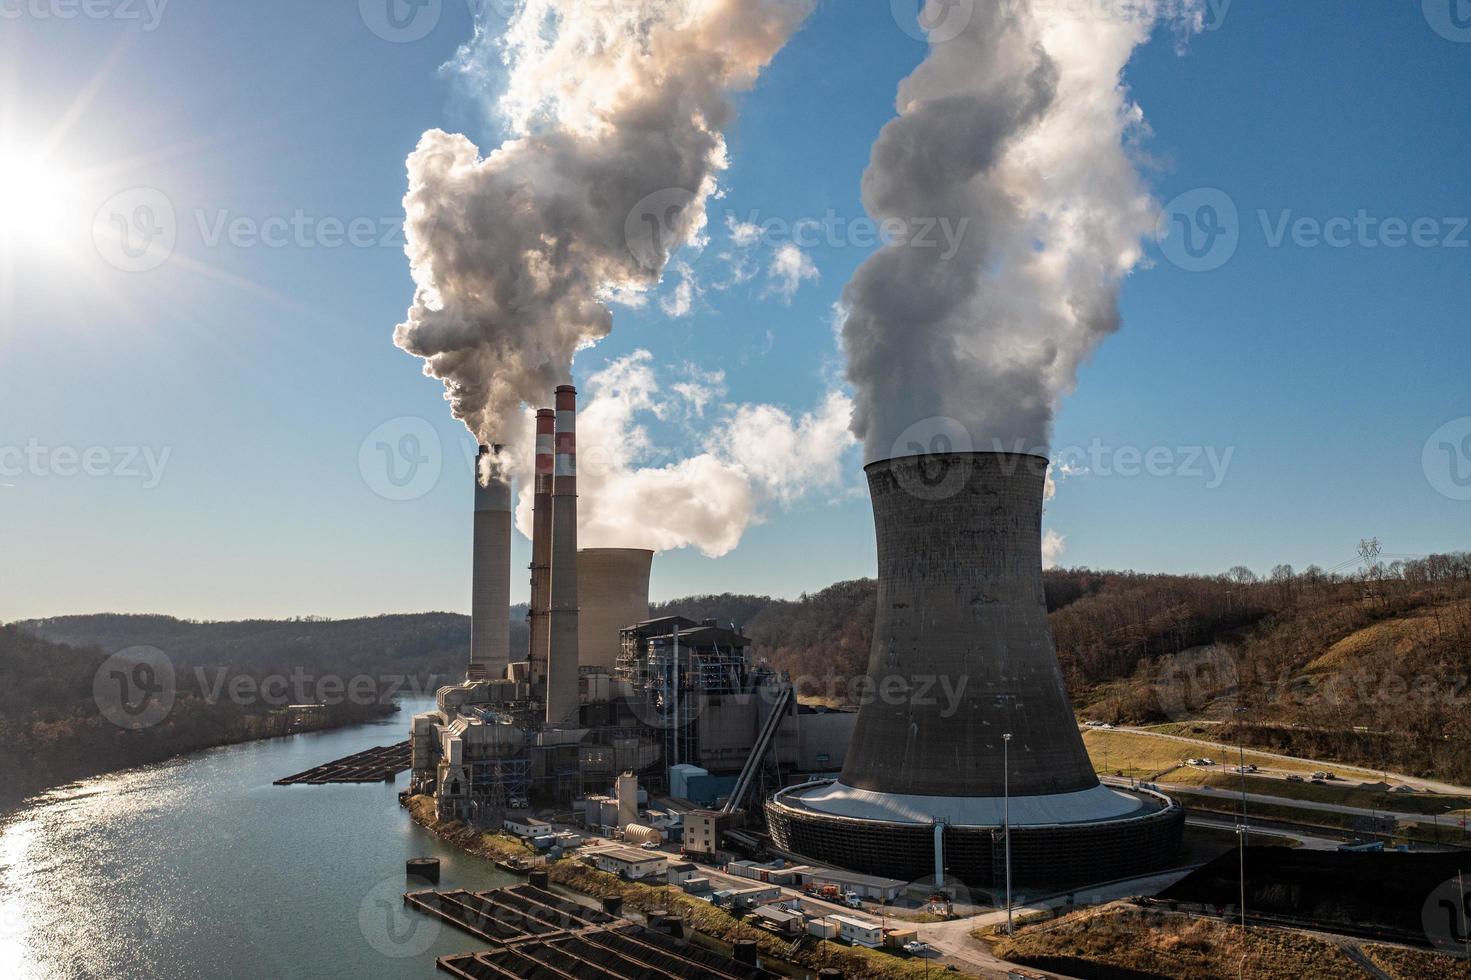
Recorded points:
541,544
490,585
561,696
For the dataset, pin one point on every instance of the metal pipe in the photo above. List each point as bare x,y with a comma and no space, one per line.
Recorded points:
1006,818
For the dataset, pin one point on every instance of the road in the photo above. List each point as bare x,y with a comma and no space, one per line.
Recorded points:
1427,785
1308,842
1358,811
952,940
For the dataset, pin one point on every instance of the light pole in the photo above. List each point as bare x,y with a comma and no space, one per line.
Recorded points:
1242,832
1006,818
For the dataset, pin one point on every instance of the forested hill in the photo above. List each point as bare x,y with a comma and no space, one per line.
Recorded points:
419,645
1311,657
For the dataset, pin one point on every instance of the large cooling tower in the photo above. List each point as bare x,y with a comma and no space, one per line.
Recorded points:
490,575
612,592
562,674
962,656
539,622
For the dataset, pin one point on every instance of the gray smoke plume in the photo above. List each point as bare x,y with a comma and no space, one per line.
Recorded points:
616,110
1013,131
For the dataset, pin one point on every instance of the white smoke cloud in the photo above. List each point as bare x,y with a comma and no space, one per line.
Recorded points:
790,267
615,113
790,459
633,492
1053,545
1016,131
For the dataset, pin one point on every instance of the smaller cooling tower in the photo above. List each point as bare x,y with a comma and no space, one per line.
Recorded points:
612,592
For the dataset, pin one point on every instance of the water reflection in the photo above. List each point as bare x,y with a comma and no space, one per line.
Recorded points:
199,867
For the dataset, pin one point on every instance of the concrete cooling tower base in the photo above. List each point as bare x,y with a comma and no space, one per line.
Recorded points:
1057,840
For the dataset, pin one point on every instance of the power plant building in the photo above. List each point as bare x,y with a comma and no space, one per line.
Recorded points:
602,690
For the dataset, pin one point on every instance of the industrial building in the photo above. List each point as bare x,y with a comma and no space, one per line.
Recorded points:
969,749
603,694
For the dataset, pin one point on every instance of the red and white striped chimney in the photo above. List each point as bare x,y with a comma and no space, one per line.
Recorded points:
541,545
490,572
561,697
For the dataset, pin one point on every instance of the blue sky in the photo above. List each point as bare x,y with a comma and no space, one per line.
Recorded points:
1323,371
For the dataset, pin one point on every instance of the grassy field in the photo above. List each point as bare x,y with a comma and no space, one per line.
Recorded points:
1124,938
1412,964
1167,945
1338,792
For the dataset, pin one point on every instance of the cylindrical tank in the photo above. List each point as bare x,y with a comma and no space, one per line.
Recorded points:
613,904
562,672
539,878
962,650
744,951
425,868
612,592
490,572
639,834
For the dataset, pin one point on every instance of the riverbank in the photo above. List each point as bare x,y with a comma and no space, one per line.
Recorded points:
856,963
88,748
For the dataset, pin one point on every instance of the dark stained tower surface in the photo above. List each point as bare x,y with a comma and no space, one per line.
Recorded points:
962,649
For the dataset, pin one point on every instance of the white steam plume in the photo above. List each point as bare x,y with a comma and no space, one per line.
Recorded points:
1013,135
615,112
754,456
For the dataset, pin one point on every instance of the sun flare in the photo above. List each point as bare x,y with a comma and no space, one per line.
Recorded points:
36,198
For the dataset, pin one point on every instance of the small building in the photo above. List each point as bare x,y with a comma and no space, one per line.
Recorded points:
629,863
859,932
896,938
679,872
778,919
695,886
864,886
745,898
823,928
775,873
522,824
702,830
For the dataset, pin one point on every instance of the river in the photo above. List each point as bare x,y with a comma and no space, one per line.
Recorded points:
198,867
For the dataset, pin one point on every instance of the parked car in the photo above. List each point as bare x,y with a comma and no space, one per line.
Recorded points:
1294,778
